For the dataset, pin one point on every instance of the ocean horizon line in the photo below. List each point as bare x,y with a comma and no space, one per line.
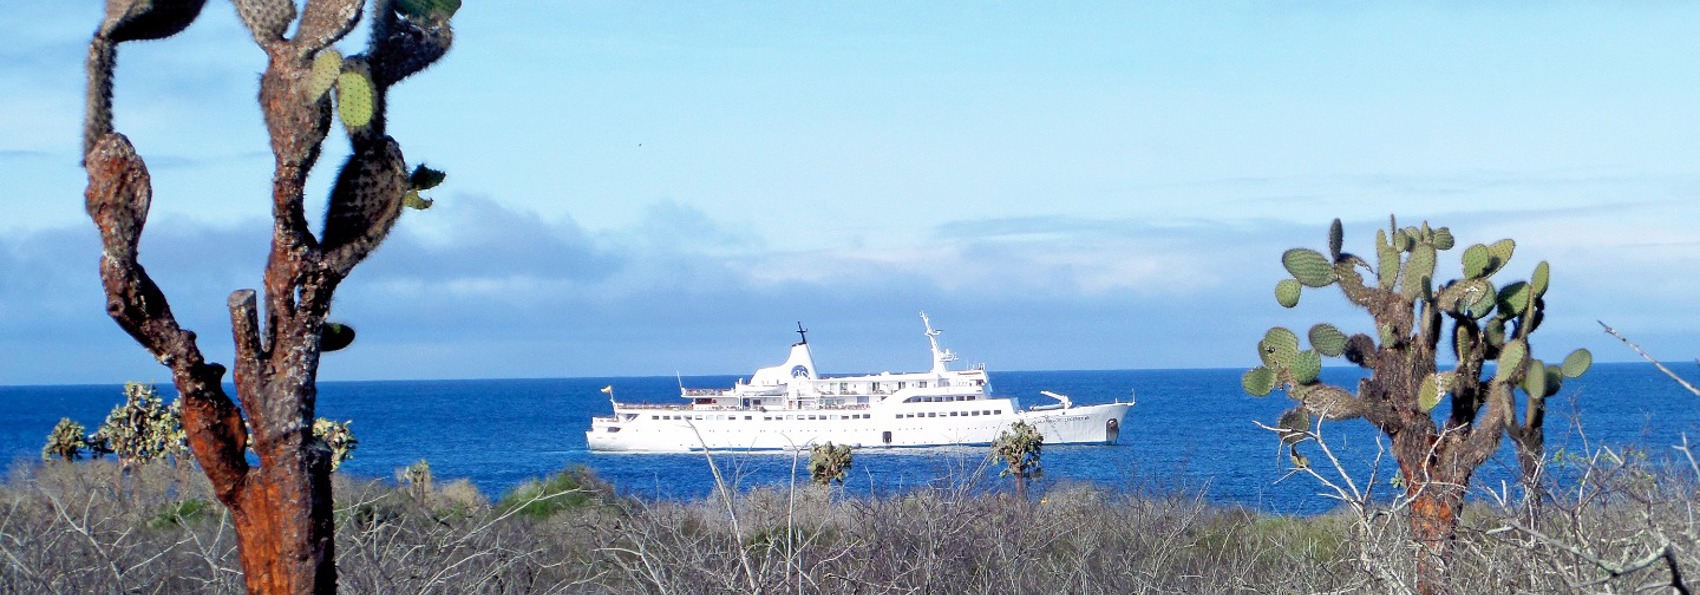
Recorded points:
228,383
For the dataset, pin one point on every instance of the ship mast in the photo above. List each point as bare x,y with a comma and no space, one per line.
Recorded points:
940,356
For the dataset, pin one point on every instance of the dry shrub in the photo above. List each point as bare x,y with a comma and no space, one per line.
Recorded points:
90,528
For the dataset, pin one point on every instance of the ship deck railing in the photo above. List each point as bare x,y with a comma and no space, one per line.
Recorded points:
688,407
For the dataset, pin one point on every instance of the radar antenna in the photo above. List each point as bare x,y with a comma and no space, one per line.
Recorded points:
803,332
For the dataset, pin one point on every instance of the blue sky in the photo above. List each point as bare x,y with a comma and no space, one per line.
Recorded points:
660,187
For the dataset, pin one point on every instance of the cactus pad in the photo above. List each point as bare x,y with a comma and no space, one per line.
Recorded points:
1501,252
1359,349
266,19
1330,402
425,178
1308,267
1419,273
1336,235
354,100
1287,292
326,66
1538,281
1513,299
1279,347
1477,260
1457,296
1443,239
1510,359
1479,304
1555,379
1535,382
1495,332
413,200
1462,341
1428,394
334,336
1386,260
1295,425
1306,366
1328,340
1258,381
1577,363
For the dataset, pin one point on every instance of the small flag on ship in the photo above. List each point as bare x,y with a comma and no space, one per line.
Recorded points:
608,390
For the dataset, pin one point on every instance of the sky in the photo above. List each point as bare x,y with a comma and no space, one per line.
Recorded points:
641,189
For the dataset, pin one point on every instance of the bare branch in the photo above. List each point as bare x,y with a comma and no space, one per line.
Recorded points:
1649,358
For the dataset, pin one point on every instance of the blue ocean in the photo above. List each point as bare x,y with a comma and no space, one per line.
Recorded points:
1192,433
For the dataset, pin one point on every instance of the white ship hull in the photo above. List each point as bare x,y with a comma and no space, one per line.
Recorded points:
685,430
788,406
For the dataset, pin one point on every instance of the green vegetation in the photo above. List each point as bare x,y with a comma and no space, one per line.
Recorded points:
829,463
338,437
1412,312
1019,448
571,489
143,429
66,442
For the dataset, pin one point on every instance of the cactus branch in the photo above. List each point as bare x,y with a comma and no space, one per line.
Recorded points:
281,509
97,103
323,22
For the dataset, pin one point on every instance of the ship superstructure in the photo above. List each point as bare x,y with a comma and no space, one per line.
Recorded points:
791,406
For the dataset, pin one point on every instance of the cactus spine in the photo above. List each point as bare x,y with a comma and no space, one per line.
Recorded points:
1443,423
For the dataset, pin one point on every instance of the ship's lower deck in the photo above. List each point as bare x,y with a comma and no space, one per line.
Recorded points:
960,423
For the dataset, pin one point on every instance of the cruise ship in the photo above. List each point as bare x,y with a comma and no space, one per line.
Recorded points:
790,406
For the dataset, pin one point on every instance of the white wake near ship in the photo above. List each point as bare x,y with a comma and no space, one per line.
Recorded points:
789,406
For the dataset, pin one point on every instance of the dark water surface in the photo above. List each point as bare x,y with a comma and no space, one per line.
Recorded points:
1192,430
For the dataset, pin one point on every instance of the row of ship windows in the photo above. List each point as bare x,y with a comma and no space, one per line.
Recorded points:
805,417
939,399
951,414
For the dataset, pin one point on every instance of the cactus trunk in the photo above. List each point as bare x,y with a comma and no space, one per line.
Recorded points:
1435,507
286,548
282,507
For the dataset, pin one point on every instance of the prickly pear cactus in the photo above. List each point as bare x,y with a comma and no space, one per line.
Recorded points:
416,478
338,437
1411,310
1443,423
1019,447
66,442
142,429
829,463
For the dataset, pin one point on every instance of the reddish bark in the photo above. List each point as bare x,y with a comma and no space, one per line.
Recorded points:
282,508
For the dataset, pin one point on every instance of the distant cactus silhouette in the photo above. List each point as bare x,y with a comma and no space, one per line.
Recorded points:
416,478
66,442
1019,447
1412,313
281,508
829,463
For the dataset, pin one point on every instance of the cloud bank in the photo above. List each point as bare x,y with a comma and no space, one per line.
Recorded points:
476,288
